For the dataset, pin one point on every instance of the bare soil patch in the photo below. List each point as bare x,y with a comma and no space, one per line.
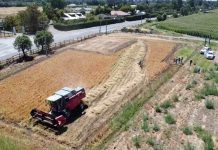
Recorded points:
11,11
158,50
103,44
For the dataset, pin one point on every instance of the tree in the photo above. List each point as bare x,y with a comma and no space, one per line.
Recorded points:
23,43
126,8
191,3
30,18
111,2
49,11
159,18
184,11
180,3
9,23
60,4
177,4
164,17
43,39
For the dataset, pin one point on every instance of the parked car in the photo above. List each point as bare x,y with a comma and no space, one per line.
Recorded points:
209,55
205,49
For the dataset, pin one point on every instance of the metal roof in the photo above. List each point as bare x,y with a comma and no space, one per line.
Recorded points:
62,92
78,89
68,89
54,98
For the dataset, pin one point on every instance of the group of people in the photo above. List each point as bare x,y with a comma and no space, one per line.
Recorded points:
178,60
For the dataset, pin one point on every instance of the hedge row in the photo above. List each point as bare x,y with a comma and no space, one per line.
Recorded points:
136,17
67,27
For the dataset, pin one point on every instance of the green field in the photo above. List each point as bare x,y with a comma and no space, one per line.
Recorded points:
201,24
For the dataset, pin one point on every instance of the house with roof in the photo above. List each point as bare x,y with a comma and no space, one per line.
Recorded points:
119,13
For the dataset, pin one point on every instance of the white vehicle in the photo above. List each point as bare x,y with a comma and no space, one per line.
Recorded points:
73,16
81,16
209,55
205,49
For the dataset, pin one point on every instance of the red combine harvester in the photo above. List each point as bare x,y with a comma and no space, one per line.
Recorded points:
62,104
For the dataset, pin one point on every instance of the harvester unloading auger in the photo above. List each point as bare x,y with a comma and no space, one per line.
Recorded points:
62,104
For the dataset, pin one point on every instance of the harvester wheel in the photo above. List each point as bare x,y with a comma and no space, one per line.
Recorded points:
66,113
82,106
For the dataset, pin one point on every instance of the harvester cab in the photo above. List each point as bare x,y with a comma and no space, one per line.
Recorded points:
56,103
62,105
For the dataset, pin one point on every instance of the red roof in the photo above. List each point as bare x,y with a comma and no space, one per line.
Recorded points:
119,13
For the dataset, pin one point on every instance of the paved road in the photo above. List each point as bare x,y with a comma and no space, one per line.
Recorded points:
6,45
7,50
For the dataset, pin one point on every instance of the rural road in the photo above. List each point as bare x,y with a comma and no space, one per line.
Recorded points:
6,44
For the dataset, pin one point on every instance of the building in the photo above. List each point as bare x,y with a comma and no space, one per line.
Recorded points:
119,13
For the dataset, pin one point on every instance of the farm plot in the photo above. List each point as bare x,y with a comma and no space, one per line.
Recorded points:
28,89
125,80
158,50
103,44
201,24
11,11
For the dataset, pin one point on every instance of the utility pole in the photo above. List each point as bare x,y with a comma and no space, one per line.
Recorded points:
141,18
100,27
46,50
106,26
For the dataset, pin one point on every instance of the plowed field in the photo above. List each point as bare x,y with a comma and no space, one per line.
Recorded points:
158,50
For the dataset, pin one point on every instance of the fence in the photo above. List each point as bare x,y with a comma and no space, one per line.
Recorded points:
5,34
53,47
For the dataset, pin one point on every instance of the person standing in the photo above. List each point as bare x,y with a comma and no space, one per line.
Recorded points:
190,62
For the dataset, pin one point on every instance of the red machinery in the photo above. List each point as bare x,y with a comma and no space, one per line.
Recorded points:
62,103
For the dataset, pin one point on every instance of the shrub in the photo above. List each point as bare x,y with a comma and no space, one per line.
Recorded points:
197,69
194,82
175,98
137,141
164,17
199,97
151,141
209,90
169,119
158,147
167,104
187,131
209,104
148,20
145,125
156,127
206,137
175,15
188,146
189,86
159,18
158,109
136,17
81,25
